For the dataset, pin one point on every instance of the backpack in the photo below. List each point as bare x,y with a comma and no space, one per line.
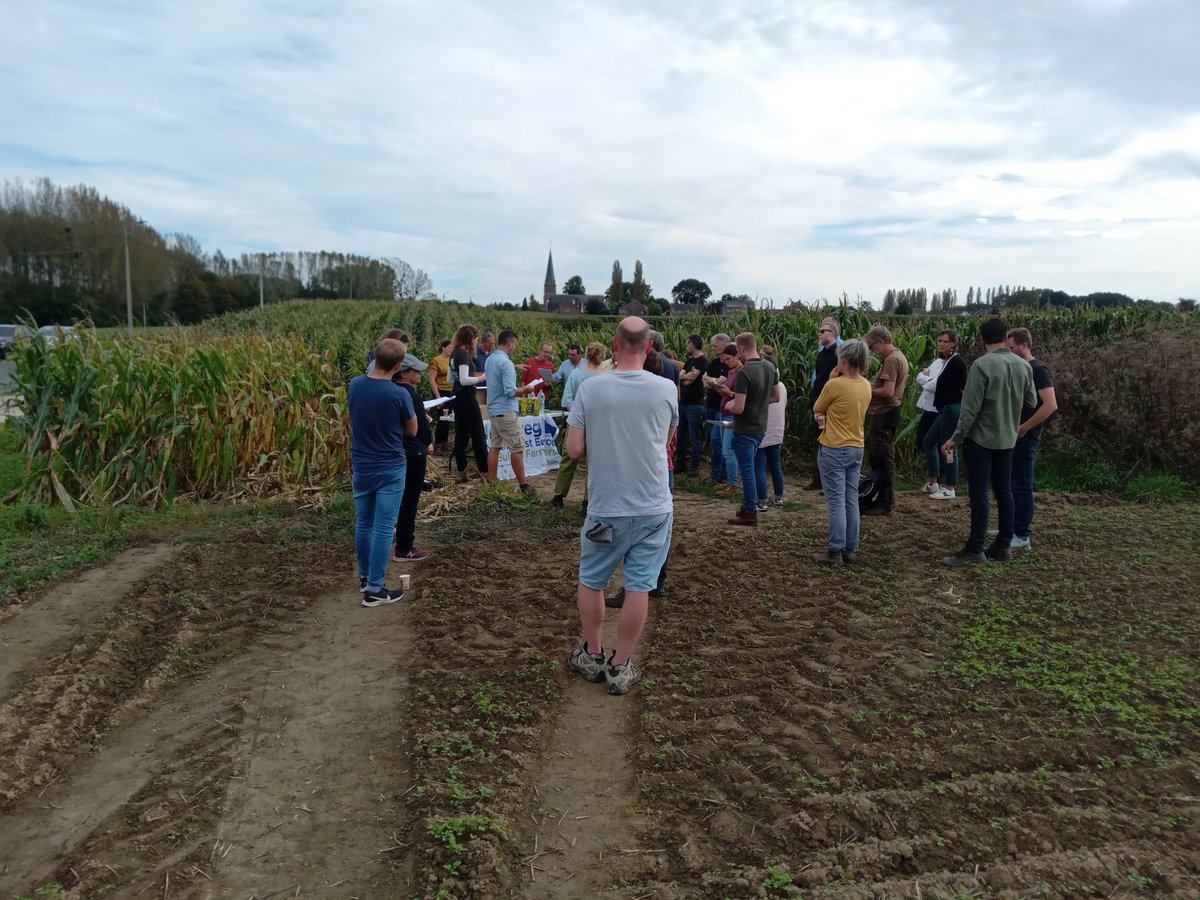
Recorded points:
868,491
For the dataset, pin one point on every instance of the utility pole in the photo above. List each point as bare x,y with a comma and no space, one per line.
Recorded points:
260,280
128,285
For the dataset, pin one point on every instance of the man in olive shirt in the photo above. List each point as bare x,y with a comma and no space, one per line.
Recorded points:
883,416
999,386
754,389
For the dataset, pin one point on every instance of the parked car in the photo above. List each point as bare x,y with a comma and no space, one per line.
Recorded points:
11,333
55,333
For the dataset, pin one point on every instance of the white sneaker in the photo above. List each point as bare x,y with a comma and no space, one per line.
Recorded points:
930,488
992,532
942,494
1019,543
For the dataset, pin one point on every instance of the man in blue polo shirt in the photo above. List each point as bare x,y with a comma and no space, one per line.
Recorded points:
381,414
502,394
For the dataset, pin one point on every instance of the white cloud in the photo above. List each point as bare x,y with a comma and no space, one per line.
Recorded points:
781,149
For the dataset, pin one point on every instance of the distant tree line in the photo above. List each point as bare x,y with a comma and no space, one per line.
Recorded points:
1004,296
62,258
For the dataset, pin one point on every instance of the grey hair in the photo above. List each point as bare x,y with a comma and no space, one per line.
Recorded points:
656,341
722,337
855,352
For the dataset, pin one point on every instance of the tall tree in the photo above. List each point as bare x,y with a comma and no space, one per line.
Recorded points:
639,290
616,287
574,286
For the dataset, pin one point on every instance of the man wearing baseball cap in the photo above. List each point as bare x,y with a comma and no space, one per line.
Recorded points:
417,449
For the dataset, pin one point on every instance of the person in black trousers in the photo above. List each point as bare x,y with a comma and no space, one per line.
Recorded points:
823,367
416,450
468,419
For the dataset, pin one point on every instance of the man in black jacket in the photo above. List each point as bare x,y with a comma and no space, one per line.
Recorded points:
417,448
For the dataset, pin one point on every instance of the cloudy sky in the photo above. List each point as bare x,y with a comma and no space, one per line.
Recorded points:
789,150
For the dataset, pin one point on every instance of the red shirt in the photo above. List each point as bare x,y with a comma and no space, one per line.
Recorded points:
536,367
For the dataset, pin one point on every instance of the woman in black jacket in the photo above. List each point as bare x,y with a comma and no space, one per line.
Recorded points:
468,419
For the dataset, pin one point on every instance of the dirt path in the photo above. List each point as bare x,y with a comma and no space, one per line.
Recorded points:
236,740
320,756
29,632
584,796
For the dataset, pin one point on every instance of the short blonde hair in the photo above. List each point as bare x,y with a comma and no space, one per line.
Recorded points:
746,341
1021,337
388,354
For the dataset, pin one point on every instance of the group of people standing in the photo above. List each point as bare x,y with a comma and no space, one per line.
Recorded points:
389,446
392,437
745,436
994,411
624,427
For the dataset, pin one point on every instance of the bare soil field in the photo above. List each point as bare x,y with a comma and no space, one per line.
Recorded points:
215,715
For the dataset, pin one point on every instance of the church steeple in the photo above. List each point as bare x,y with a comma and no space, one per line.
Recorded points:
551,287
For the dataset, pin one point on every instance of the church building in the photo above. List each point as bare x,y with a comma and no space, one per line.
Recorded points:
564,304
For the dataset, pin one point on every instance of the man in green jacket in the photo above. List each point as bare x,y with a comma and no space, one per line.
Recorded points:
999,386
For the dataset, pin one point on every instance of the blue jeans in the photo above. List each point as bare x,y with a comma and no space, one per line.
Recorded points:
731,463
690,435
377,497
987,467
744,447
1023,458
716,459
939,432
768,457
840,467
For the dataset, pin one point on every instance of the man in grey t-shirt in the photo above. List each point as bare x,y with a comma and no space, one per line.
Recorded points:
622,423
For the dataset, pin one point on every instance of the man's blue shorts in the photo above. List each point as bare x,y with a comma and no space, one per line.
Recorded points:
641,542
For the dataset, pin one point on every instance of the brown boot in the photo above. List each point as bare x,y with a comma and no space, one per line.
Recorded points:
744,518
828,558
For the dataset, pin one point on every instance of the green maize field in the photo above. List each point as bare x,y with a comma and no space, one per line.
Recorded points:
253,403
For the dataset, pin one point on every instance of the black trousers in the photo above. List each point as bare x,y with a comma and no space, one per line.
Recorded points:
406,519
881,452
442,431
468,426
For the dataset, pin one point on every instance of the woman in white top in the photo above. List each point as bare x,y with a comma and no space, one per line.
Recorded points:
768,455
927,382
